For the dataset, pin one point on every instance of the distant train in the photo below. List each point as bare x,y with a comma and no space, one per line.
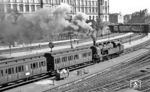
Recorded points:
57,63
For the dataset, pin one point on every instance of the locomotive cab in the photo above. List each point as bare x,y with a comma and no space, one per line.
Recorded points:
96,54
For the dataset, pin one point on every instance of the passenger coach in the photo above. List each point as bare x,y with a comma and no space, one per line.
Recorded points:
57,63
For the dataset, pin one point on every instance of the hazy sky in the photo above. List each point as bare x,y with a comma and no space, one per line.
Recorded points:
128,6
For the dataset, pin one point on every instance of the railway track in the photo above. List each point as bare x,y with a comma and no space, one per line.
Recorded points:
106,78
41,77
123,82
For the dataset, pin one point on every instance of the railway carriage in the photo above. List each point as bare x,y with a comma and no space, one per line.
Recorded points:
56,63
17,69
67,59
79,56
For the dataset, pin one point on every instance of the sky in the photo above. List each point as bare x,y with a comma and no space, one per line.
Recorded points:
128,6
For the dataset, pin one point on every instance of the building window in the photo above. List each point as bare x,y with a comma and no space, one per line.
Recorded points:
15,6
82,2
38,7
89,3
14,1
89,17
93,17
92,3
86,10
96,17
79,9
27,8
106,18
32,8
93,9
105,3
89,9
96,9
86,3
79,3
74,9
106,10
102,2
8,7
75,2
21,7
82,9
21,1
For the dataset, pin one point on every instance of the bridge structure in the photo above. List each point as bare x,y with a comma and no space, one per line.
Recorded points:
125,28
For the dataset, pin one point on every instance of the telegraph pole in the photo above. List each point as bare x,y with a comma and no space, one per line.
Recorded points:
99,10
99,14
41,3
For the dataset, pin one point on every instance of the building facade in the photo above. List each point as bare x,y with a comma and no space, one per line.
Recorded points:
116,18
127,18
88,7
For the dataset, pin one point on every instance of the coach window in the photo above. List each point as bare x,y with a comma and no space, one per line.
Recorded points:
16,69
22,68
64,59
42,63
34,65
31,66
9,71
12,70
1,73
70,58
84,55
76,57
19,68
58,60
6,71
89,53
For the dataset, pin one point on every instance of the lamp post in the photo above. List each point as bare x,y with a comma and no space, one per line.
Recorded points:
99,11
70,37
41,3
51,45
99,15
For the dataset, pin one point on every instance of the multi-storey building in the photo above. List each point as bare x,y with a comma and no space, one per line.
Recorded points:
127,18
86,6
116,18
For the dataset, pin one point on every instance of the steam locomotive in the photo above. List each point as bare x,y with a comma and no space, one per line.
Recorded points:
57,63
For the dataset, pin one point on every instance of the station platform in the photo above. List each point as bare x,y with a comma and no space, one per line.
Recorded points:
46,84
34,44
136,42
17,54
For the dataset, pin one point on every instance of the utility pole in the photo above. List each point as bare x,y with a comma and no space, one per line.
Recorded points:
99,14
41,3
99,10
